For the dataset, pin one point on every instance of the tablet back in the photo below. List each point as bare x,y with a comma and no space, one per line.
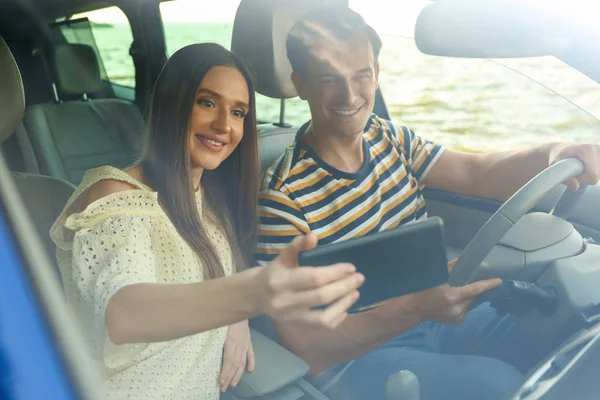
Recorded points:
402,260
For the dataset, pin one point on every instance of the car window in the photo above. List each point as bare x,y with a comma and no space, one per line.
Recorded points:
479,105
113,38
191,21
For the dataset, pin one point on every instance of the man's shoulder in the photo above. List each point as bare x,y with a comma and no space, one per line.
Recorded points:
380,129
388,126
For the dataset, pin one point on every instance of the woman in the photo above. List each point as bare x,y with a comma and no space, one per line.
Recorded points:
153,258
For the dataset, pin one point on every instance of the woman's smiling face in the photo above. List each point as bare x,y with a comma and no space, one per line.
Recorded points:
216,124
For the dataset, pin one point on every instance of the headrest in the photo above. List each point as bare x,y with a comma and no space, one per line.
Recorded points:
12,96
77,69
260,31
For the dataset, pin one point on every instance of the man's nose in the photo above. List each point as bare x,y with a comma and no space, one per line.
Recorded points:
347,92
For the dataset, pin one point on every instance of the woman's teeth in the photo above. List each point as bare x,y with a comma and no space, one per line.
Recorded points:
213,142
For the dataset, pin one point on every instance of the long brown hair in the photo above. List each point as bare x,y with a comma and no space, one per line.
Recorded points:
231,189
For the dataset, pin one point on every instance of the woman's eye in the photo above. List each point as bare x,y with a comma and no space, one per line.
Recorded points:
206,103
239,113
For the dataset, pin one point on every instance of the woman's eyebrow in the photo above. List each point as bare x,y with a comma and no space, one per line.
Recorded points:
218,96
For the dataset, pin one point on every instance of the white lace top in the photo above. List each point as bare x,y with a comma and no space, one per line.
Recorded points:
122,239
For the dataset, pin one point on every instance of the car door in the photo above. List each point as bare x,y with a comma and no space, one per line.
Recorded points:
42,354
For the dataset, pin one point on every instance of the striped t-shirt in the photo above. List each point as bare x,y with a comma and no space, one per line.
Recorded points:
301,193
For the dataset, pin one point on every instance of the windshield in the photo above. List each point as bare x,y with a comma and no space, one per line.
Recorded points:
474,104
468,104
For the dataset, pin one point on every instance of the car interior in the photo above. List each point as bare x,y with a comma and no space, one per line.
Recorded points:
76,127
73,119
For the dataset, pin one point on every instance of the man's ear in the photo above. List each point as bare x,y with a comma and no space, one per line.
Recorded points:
298,84
377,73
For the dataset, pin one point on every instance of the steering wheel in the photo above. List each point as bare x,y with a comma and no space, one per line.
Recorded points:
468,266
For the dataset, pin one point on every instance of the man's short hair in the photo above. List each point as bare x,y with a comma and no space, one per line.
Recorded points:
341,22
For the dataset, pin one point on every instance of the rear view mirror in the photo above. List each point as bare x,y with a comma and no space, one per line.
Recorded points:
495,28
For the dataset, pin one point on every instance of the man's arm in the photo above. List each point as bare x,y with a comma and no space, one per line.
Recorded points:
360,333
499,175
496,175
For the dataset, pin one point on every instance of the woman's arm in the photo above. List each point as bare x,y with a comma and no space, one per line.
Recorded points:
152,312
156,312
148,312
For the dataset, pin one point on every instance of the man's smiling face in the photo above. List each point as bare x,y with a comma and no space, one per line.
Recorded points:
340,84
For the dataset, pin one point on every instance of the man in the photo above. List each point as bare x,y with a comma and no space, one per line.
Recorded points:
351,173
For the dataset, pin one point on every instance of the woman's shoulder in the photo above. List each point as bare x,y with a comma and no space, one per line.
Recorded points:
129,178
104,188
110,188
104,192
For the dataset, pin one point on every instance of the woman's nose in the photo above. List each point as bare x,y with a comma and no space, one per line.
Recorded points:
221,122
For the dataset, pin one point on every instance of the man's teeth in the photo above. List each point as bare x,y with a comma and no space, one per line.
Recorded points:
213,142
343,112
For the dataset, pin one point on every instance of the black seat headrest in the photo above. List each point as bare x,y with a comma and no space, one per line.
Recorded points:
77,69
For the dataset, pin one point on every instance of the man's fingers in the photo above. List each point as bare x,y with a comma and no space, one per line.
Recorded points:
451,264
589,158
588,179
289,256
476,289
572,184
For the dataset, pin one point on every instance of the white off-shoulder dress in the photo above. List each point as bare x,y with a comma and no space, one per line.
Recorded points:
123,239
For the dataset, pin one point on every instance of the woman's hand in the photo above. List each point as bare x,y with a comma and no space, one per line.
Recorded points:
237,354
289,293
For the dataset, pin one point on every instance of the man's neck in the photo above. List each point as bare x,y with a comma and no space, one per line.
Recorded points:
344,153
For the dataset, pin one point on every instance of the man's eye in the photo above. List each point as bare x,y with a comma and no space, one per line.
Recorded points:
327,81
206,103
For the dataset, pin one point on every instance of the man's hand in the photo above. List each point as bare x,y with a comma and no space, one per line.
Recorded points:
588,154
450,304
237,353
451,264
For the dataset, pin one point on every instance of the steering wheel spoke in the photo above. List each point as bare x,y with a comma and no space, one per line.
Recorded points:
469,266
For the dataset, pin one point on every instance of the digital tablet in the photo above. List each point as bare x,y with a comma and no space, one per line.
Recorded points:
395,262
